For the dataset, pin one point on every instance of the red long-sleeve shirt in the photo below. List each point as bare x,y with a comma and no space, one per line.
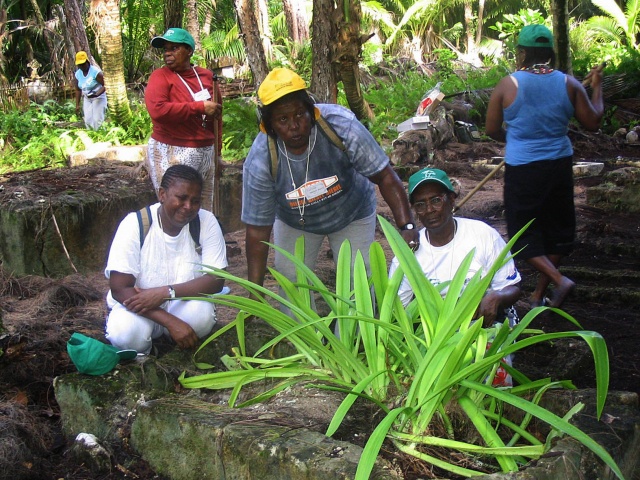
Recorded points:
176,117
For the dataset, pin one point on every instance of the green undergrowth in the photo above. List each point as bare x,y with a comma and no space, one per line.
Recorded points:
428,367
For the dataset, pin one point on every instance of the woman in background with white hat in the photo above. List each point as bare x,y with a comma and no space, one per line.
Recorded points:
89,83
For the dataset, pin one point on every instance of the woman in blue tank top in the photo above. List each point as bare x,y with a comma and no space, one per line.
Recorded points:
531,110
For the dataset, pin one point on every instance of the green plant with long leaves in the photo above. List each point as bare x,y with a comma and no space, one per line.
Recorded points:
421,365
455,368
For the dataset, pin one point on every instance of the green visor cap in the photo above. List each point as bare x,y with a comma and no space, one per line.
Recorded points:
93,357
174,35
535,36
429,175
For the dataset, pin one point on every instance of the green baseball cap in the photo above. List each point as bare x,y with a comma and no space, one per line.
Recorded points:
174,35
535,36
93,357
429,175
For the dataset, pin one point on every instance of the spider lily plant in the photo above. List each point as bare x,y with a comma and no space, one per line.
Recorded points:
425,366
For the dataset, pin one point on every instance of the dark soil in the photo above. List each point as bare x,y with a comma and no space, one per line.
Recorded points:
39,315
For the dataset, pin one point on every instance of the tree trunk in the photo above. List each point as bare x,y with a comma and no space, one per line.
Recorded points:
193,26
480,23
105,16
4,34
75,27
49,40
347,55
73,35
323,33
296,21
262,15
470,46
248,25
173,14
560,11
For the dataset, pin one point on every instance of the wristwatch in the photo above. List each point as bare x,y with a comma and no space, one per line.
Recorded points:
172,292
408,226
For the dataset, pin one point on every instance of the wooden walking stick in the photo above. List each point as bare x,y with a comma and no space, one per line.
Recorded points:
479,186
217,175
587,80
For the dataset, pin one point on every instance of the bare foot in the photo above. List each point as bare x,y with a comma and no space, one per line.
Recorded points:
538,302
560,293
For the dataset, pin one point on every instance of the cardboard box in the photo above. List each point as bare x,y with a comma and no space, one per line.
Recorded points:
414,123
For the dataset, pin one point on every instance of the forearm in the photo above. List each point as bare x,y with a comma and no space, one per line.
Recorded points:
257,252
204,285
499,134
504,298
394,194
597,101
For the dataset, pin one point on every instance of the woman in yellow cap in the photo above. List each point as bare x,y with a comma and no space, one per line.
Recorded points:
316,189
89,83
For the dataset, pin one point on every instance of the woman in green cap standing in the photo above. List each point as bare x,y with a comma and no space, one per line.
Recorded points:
185,105
536,104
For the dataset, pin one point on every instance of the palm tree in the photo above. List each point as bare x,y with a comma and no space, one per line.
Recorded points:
105,16
618,26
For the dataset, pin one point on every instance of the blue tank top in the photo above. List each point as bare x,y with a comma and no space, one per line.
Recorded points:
538,119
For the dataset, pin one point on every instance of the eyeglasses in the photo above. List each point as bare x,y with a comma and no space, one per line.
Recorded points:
172,48
435,202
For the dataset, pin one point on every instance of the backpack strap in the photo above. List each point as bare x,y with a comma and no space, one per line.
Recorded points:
325,128
273,155
330,133
144,222
145,219
194,230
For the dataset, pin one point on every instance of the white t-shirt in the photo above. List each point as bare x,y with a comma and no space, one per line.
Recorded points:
163,259
440,264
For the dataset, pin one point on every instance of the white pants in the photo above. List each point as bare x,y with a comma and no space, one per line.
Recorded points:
94,111
128,330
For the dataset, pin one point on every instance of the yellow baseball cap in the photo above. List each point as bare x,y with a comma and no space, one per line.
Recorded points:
279,82
81,57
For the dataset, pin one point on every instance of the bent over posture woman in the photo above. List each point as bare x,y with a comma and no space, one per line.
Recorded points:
147,280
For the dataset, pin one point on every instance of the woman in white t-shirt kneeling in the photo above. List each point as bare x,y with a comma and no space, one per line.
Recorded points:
147,280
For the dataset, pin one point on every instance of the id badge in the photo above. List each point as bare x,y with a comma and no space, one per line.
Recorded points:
202,95
314,189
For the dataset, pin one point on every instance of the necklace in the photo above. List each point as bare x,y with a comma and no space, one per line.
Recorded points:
538,68
160,221
302,206
453,243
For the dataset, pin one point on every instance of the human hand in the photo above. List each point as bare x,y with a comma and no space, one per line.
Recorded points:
594,77
182,333
412,237
146,299
488,309
212,109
